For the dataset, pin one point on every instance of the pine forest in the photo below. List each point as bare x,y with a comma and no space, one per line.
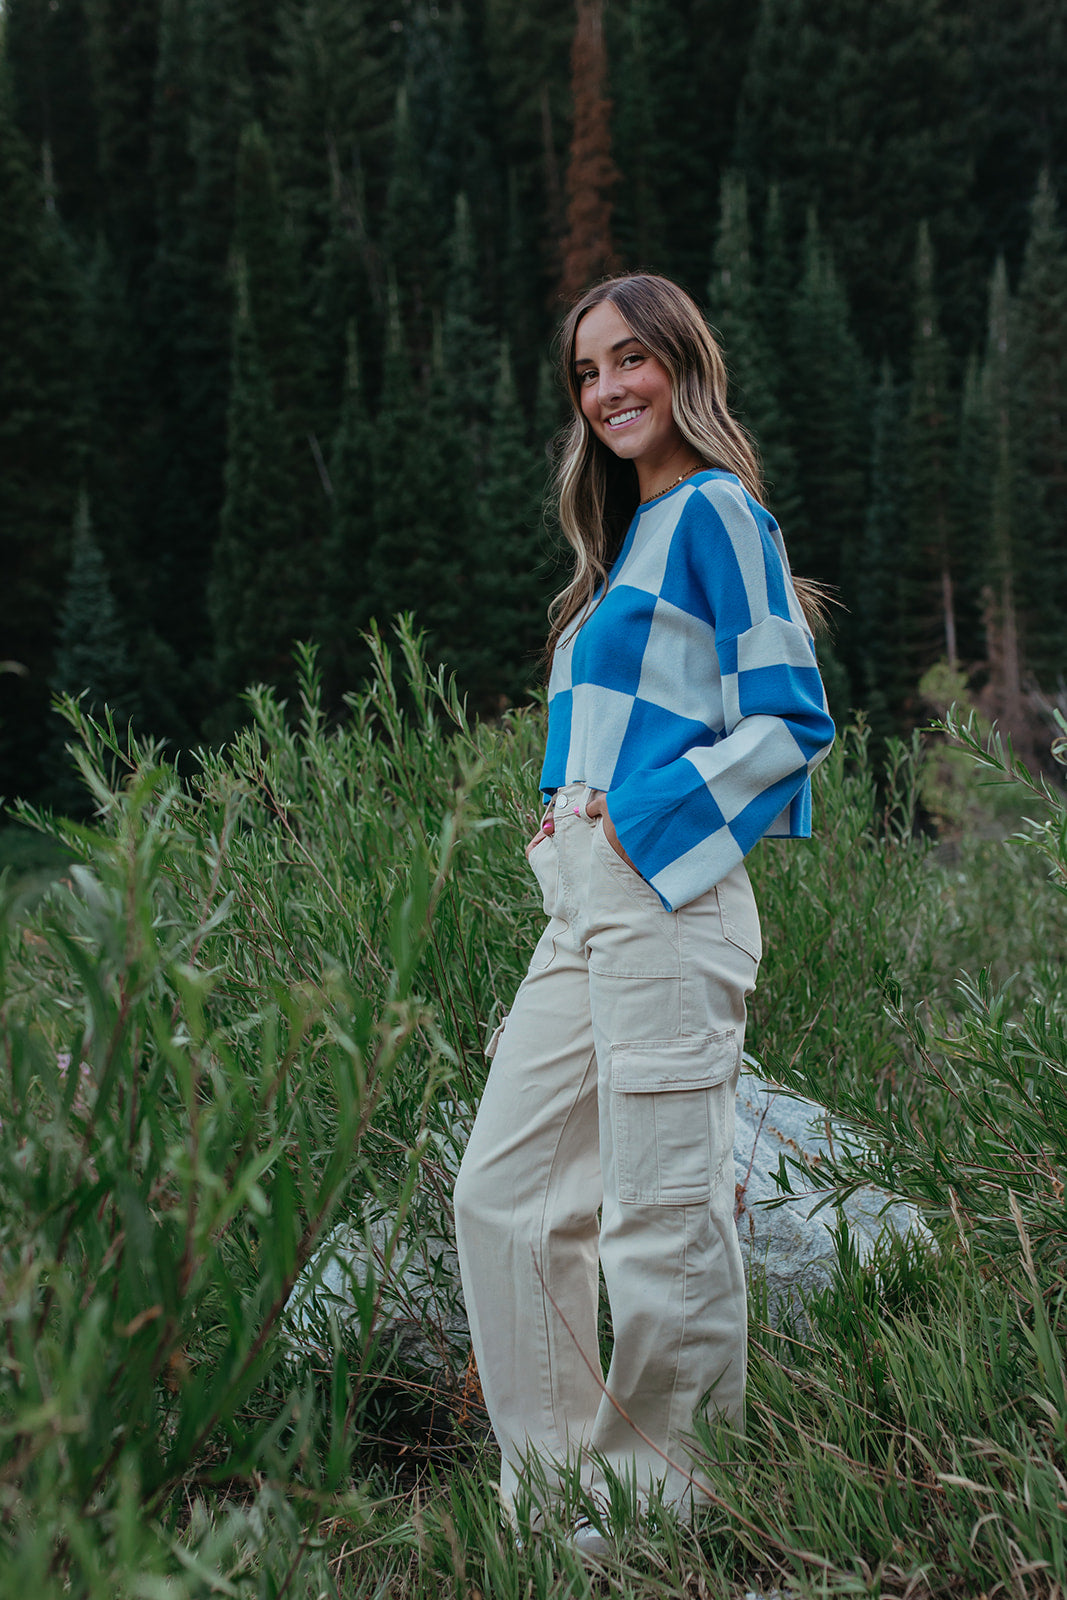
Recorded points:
278,284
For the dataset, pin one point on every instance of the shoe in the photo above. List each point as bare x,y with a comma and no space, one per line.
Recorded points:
587,1540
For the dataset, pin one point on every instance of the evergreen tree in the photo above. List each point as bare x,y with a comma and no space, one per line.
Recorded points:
410,229
638,83
92,657
663,55
331,114
929,576
259,575
124,39
263,242
46,48
734,307
829,414
510,589
462,144
874,619
1018,51
468,343
215,58
522,296
976,452
588,250
420,558
42,437
115,420
345,603
1039,367
1003,695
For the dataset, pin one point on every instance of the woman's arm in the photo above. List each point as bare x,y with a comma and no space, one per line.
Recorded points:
686,822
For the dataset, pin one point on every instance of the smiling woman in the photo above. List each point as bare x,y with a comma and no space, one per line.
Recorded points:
686,714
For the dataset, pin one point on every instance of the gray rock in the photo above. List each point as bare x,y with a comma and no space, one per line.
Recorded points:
792,1241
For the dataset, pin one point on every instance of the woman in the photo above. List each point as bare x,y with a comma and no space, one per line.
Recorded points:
686,714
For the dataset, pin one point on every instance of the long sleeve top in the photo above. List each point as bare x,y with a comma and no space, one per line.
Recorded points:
689,692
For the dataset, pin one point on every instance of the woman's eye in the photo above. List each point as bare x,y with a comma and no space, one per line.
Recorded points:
584,377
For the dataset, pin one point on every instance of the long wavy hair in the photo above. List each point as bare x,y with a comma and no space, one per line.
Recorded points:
595,491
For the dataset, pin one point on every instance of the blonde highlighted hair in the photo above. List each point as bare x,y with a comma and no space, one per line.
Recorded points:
596,492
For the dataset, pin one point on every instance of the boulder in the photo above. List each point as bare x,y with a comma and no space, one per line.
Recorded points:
790,1242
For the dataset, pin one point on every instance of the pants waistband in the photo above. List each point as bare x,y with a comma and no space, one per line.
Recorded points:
573,799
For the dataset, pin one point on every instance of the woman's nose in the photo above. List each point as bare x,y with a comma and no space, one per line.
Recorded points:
610,386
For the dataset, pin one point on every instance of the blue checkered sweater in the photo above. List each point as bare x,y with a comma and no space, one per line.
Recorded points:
690,693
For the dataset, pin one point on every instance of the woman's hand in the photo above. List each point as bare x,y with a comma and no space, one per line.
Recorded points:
548,825
598,807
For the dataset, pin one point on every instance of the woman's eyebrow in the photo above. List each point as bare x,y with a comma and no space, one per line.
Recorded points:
620,344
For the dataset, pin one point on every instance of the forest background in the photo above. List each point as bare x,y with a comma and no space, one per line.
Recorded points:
278,283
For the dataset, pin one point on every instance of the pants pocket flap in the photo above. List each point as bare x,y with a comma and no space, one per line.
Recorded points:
494,1038
660,1066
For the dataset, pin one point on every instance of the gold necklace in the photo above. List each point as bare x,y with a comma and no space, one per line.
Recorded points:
697,466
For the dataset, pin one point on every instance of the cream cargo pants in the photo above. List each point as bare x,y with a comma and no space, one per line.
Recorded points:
612,1091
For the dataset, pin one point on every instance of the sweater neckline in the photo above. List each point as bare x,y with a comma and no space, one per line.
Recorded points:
675,488
653,505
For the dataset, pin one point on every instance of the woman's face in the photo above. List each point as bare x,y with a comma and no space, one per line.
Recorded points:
625,392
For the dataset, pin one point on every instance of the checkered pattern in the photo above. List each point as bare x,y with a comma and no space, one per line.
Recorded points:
691,694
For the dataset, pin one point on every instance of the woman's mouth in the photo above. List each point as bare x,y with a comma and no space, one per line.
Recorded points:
621,418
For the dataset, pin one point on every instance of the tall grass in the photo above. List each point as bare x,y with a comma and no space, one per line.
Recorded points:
248,1025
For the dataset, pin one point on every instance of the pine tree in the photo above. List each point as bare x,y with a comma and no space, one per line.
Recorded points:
123,41
975,453
734,307
1039,381
588,249
1003,696
828,390
510,589
92,658
1018,54
345,603
929,576
663,54
777,276
330,129
43,421
874,619
92,654
263,241
468,344
259,575
410,228
46,50
419,558
175,519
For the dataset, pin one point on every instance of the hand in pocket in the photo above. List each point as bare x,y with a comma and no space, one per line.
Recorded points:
598,807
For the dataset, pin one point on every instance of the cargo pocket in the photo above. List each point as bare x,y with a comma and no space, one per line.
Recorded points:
673,1117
